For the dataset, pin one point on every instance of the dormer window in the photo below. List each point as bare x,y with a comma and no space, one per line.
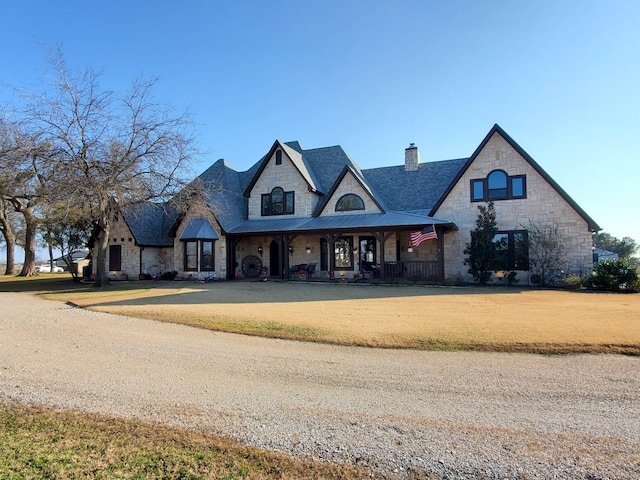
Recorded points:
349,202
498,185
278,202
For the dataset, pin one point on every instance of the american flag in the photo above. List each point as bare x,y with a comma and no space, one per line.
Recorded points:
427,233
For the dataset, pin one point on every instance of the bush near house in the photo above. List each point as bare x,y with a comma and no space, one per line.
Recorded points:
615,276
572,282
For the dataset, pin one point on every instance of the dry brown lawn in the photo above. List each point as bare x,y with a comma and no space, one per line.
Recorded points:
496,319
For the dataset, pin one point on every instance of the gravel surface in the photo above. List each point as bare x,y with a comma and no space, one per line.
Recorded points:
457,415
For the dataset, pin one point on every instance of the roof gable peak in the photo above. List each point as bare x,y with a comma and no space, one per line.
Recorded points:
347,170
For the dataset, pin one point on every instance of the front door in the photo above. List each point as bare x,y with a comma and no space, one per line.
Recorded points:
275,269
367,255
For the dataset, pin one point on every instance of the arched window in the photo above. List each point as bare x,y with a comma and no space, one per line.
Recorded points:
497,183
349,202
278,202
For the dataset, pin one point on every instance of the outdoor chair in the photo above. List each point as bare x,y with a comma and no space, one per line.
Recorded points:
311,270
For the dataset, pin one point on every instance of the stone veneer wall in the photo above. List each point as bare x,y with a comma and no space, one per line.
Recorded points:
130,253
288,178
542,204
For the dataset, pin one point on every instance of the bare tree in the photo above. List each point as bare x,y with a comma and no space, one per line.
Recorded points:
110,151
23,183
547,253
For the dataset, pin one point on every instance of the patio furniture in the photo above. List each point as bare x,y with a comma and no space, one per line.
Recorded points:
311,270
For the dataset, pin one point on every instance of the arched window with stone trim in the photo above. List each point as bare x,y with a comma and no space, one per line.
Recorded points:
349,202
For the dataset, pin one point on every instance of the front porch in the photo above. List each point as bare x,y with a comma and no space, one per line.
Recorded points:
360,256
414,271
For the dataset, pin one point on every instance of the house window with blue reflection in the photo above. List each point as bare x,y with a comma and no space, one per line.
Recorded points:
498,185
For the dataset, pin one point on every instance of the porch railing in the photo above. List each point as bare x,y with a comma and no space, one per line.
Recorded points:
413,270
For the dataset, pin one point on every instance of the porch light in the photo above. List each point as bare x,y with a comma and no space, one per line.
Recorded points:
291,249
260,250
308,249
410,249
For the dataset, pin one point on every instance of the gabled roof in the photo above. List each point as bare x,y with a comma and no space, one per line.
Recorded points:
327,163
592,225
323,170
406,198
150,223
296,159
346,170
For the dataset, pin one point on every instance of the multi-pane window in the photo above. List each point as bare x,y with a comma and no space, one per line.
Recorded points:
498,185
278,202
349,202
512,249
206,256
343,253
191,255
199,256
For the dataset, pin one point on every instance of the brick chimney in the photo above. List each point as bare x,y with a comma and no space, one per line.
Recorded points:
411,158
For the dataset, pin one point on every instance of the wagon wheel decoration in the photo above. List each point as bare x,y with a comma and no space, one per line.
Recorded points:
251,266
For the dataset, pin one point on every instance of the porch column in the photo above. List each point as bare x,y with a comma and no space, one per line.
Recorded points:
440,254
232,243
382,237
286,242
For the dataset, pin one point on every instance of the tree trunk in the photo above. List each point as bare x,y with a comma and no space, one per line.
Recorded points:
9,238
10,241
101,244
51,263
31,221
11,259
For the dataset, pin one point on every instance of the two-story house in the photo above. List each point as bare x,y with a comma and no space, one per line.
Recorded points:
317,206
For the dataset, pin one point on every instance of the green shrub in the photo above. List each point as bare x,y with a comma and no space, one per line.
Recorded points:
511,278
615,276
572,282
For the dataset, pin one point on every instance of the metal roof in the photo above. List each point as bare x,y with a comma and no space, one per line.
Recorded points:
199,229
337,222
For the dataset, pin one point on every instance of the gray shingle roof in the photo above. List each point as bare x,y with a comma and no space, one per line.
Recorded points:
326,164
150,223
414,190
407,197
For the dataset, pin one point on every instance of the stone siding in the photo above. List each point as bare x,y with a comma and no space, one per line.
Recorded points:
289,179
120,234
542,204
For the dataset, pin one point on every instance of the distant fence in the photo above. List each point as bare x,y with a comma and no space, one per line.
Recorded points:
413,270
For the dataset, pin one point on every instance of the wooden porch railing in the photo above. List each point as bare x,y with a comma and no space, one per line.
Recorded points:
413,270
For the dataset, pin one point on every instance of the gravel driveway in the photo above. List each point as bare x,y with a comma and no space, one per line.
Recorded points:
453,414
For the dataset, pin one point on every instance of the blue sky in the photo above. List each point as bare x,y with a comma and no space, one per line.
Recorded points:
561,77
